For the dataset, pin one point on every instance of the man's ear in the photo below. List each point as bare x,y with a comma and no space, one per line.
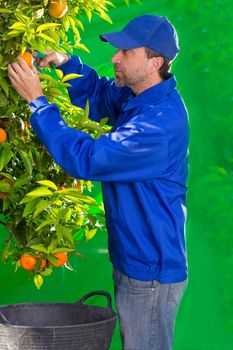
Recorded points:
154,64
157,62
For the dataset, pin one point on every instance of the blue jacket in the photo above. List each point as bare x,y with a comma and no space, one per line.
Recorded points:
142,164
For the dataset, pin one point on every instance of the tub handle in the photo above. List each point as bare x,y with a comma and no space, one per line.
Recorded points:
3,319
98,292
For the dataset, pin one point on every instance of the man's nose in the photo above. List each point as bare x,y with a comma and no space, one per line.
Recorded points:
116,58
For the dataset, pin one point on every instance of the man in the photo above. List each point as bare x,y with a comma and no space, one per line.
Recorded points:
142,164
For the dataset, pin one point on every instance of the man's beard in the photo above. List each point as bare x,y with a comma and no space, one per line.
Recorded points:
119,80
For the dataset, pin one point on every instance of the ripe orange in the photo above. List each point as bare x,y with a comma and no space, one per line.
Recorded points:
28,261
61,259
57,8
2,135
28,58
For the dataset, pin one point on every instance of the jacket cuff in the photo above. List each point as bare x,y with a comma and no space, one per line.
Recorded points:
38,102
73,65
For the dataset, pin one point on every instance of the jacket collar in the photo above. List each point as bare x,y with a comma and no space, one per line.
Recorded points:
153,95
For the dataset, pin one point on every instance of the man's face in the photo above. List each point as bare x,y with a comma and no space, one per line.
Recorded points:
131,68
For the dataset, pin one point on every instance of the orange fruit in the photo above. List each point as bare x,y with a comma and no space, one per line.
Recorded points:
61,259
57,8
28,261
2,135
28,58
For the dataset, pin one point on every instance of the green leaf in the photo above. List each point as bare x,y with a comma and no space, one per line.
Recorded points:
26,200
15,32
52,245
17,265
46,77
89,234
21,17
46,272
5,254
3,100
59,73
65,214
44,224
39,248
89,14
46,37
38,280
5,187
54,92
82,47
46,26
8,176
73,192
19,25
71,76
74,28
103,121
52,259
109,3
40,192
105,17
47,183
79,23
5,156
5,87
63,250
5,10
59,231
86,110
26,161
30,207
68,236
22,180
6,204
14,96
72,198
41,206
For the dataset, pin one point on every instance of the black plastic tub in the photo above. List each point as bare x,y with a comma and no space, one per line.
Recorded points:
57,326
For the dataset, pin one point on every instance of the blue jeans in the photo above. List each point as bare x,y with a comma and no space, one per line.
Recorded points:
146,311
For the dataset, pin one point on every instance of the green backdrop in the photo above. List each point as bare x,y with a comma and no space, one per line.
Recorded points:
204,77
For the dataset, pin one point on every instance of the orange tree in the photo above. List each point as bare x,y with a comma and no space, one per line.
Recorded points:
45,211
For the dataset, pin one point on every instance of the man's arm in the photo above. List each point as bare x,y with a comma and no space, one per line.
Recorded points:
132,153
105,98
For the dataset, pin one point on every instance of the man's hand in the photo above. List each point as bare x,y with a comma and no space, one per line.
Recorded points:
58,58
25,80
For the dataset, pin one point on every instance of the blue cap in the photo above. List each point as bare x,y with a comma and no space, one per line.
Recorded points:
150,31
